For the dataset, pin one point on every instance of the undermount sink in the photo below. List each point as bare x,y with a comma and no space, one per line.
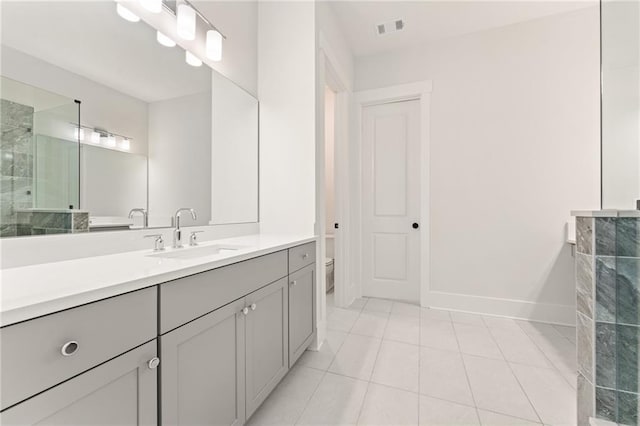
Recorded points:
198,251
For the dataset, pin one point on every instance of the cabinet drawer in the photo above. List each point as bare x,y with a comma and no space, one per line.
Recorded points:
188,298
301,256
32,351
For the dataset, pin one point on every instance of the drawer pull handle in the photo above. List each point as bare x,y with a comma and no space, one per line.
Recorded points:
253,306
294,282
69,348
304,256
154,363
245,310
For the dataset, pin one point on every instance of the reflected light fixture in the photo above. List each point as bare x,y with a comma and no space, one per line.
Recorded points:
154,6
109,141
164,40
186,22
126,13
125,144
78,133
192,59
95,137
214,45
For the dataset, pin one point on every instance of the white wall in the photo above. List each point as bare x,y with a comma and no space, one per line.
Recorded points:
286,90
180,158
101,106
514,147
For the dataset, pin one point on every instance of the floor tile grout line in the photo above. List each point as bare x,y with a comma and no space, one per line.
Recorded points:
517,380
553,364
466,374
306,404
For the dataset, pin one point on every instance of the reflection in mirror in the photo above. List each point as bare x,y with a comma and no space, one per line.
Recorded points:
235,154
620,104
145,140
38,162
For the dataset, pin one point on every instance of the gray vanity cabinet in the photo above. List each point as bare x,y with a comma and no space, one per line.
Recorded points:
203,370
302,307
119,392
266,342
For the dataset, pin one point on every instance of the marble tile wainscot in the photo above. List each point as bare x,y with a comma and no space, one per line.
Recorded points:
608,315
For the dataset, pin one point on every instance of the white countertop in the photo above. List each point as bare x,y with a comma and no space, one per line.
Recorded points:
30,291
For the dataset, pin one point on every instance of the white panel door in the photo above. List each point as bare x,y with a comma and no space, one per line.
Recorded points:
391,200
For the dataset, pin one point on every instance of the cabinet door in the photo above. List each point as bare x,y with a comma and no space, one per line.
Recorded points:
302,307
122,391
266,337
203,370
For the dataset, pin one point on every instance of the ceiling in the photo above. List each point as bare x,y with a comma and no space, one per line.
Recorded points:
426,21
89,38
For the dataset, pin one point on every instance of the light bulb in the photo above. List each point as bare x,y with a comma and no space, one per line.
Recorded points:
154,6
214,45
95,137
192,59
109,141
78,133
125,144
126,13
186,22
164,40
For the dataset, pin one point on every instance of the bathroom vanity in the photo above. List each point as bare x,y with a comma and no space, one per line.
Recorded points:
195,339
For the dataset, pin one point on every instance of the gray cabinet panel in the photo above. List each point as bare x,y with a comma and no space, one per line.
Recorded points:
203,370
122,391
31,351
266,342
185,299
302,309
301,256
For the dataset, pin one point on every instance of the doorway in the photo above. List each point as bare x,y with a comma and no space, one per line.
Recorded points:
391,192
330,189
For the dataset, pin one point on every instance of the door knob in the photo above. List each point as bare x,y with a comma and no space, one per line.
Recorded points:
415,225
253,306
154,363
245,311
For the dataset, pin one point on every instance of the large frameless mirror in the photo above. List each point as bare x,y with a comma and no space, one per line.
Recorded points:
139,128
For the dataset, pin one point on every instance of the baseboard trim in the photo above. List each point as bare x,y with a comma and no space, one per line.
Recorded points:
517,309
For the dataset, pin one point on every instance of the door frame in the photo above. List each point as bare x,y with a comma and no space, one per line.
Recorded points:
420,91
329,73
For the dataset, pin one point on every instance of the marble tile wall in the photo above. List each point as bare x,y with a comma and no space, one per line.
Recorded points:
50,222
608,318
16,163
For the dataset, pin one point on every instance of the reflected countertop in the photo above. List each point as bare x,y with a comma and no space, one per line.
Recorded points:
31,291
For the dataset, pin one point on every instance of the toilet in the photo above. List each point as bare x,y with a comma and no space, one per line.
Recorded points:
330,273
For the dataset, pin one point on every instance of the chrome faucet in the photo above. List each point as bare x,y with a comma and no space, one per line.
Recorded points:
177,232
145,216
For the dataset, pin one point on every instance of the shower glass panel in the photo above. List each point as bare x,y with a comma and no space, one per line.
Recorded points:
39,167
620,43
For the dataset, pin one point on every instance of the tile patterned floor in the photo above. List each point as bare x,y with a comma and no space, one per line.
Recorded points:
390,363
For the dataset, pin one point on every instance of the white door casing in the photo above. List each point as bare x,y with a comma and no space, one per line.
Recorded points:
391,196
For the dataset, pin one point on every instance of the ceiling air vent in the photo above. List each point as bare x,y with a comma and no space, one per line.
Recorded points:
390,27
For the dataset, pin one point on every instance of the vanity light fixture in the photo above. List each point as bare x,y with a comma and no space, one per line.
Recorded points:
95,137
154,6
192,59
186,21
125,145
126,13
164,40
78,133
214,45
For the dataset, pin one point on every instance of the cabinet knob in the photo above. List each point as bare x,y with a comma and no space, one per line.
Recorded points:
294,282
154,362
69,348
245,310
304,256
253,306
